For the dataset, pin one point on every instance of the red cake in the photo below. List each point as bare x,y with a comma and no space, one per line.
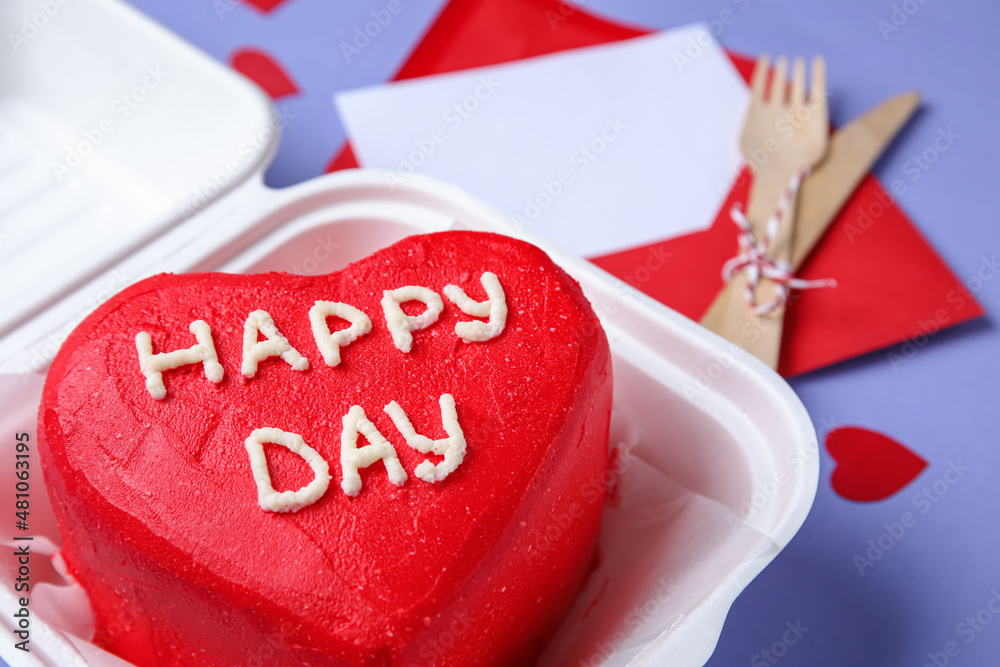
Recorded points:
401,463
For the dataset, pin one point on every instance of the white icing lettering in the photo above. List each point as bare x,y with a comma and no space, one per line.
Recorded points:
352,458
452,447
329,344
276,345
153,365
400,324
495,307
286,501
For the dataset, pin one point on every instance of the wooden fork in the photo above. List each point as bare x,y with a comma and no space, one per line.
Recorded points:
784,133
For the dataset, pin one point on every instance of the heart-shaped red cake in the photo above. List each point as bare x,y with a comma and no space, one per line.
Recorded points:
401,463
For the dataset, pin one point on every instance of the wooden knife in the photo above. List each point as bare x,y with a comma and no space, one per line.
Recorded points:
850,155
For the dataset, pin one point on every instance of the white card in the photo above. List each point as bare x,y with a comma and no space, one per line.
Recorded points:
599,149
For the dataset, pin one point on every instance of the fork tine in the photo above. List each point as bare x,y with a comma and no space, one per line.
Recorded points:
818,88
817,94
779,82
758,81
798,97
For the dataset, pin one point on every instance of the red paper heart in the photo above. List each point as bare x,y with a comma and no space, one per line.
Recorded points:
870,466
159,510
264,5
264,71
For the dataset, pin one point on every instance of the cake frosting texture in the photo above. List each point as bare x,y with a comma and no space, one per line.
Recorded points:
158,504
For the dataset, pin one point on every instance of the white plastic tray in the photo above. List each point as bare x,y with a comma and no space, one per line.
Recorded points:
722,464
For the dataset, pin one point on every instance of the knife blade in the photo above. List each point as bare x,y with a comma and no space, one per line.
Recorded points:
850,155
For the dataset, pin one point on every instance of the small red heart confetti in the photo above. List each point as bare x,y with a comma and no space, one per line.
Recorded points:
870,466
264,5
264,71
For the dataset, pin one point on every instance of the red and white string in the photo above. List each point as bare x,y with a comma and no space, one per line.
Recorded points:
756,262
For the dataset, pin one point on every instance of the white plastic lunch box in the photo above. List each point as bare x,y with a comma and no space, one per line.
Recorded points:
124,152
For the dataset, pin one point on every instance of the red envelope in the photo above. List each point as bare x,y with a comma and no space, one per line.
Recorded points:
891,284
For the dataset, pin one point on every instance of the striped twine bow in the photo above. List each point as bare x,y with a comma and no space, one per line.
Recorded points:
753,257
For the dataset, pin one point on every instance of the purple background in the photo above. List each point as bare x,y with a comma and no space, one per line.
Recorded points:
942,403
